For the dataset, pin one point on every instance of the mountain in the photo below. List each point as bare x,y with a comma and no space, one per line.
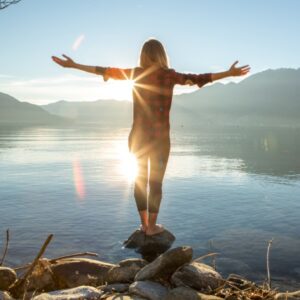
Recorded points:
271,97
110,112
14,112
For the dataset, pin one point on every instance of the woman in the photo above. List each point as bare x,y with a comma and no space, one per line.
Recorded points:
149,138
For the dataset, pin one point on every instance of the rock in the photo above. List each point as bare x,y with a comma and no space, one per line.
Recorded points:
75,272
126,270
42,278
5,296
115,287
125,297
164,265
148,289
198,276
7,277
187,293
81,292
150,246
288,296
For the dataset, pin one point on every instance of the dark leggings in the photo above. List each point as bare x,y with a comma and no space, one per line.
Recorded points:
156,152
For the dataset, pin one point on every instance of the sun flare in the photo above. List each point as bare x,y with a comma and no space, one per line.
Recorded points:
121,90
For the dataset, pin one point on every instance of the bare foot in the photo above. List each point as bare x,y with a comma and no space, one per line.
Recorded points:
158,228
143,228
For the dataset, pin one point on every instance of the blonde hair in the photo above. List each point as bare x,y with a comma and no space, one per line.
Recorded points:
153,53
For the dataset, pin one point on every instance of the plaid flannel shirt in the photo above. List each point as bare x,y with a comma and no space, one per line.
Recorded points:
152,95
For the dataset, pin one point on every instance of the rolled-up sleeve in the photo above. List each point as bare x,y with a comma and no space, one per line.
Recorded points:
191,79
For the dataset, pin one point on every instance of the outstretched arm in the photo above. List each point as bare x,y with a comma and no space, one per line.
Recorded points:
233,71
114,73
69,63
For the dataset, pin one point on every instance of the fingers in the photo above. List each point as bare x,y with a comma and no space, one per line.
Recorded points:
67,57
234,64
56,59
245,66
244,72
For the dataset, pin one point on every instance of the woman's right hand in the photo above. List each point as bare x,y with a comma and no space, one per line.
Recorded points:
66,63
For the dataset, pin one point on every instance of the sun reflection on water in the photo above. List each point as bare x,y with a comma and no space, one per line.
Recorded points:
128,166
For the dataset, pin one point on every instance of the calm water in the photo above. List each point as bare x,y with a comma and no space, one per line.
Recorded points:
226,190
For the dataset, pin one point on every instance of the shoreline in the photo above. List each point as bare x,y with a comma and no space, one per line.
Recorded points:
173,274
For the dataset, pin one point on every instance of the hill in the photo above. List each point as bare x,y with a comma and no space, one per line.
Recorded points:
271,97
14,112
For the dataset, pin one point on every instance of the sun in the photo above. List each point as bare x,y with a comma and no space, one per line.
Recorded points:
121,89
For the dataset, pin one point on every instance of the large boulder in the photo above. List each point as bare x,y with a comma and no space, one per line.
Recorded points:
7,277
149,289
81,292
165,264
198,276
125,270
186,293
69,273
150,246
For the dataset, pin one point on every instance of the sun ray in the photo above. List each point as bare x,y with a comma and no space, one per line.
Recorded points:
142,101
146,73
153,88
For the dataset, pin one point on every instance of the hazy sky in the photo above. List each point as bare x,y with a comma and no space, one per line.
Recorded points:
200,36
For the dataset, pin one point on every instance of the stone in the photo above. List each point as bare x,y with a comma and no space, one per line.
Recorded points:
165,264
115,287
7,277
124,297
288,296
42,278
81,292
5,296
149,289
187,293
150,246
198,276
125,270
75,272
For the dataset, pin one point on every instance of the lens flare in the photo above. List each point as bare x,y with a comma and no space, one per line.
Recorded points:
78,179
78,42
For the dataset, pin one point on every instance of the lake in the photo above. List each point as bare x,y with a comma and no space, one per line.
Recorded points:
226,190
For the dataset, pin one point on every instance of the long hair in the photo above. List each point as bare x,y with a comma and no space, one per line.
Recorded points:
153,53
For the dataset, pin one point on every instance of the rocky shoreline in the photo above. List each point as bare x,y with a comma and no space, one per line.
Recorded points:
172,275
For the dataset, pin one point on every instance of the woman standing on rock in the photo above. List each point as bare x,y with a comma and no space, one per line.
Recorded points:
149,138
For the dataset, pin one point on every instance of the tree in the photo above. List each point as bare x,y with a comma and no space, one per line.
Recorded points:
5,3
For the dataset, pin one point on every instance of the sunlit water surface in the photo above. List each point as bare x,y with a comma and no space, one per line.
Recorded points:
226,191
